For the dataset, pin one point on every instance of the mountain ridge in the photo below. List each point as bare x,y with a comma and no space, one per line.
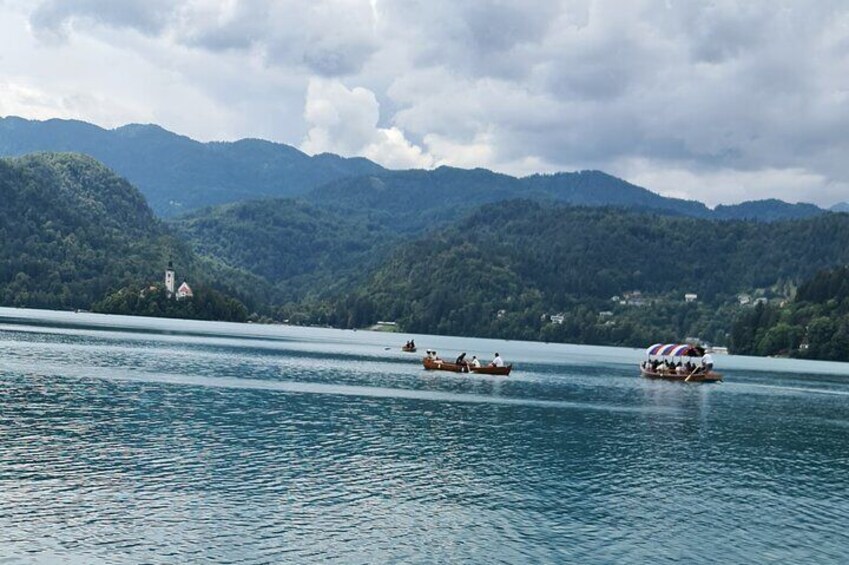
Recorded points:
178,174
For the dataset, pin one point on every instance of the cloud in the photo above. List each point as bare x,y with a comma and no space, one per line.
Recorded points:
56,18
345,121
726,91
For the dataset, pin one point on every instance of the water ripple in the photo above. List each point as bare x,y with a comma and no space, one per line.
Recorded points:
132,448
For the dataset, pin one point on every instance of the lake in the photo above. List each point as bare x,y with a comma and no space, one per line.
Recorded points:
133,440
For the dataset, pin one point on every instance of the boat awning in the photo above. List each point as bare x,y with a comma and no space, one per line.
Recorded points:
673,350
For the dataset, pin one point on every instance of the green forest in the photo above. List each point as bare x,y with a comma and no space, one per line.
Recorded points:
815,325
73,232
75,235
153,300
504,269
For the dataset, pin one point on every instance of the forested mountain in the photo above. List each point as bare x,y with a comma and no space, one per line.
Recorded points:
415,200
177,174
815,325
304,250
72,231
766,211
501,270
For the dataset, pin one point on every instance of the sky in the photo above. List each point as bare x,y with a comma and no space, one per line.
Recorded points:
718,101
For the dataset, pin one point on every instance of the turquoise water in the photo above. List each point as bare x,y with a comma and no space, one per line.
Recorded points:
126,440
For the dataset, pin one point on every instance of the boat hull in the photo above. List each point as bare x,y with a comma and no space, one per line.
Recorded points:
503,371
709,377
408,349
432,365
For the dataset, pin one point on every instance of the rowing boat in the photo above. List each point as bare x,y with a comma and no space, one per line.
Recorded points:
440,365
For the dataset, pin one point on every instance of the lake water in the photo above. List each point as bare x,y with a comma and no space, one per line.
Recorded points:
131,440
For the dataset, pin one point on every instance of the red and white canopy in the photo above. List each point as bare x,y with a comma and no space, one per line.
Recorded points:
673,350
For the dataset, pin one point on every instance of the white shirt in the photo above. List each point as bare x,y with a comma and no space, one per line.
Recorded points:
476,362
498,361
707,359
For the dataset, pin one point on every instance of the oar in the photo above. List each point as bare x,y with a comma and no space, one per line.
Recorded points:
690,375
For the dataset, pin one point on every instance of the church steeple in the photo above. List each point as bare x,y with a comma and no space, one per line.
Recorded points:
169,278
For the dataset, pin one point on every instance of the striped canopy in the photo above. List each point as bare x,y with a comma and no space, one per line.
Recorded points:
672,350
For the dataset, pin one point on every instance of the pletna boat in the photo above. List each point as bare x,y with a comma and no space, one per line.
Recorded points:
408,349
657,356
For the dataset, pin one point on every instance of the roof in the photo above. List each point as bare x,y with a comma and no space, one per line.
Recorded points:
675,350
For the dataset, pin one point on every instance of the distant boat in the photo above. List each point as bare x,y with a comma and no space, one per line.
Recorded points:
671,351
409,349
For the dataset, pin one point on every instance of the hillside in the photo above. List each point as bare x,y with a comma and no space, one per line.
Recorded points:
72,231
528,260
177,174
815,325
416,200
770,210
411,201
304,250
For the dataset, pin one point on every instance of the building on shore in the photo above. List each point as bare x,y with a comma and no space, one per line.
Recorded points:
185,291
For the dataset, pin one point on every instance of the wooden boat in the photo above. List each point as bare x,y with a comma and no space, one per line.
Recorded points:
408,349
709,377
670,352
440,365
488,370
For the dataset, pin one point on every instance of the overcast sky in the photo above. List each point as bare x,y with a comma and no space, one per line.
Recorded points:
721,101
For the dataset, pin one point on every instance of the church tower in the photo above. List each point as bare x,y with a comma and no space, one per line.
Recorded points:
169,279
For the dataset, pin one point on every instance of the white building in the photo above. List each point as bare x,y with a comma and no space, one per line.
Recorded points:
169,279
690,297
185,291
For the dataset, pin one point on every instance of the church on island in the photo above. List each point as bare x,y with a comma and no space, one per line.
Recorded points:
185,291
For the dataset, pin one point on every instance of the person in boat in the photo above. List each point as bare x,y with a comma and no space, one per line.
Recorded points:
461,362
475,363
431,354
497,361
412,344
707,362
407,345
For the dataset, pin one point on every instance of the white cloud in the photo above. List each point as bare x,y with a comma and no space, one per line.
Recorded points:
345,121
727,186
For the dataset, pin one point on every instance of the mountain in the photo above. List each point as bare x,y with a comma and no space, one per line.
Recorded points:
417,199
72,231
769,210
177,174
501,270
840,207
410,201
